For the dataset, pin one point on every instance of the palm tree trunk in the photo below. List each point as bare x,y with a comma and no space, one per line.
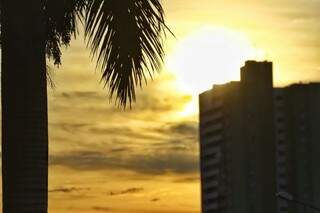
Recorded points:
24,107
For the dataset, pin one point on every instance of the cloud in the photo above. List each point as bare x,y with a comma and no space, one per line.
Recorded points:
68,189
190,179
155,200
133,190
161,103
112,138
186,128
149,163
125,131
101,208
181,130
97,102
71,127
120,149
163,211
80,95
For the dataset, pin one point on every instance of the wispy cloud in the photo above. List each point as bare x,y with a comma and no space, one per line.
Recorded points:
152,163
133,190
188,179
155,200
101,208
68,189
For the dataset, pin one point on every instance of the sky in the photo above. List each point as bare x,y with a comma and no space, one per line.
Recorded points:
145,159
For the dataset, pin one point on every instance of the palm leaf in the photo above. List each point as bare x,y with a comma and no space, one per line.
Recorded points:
125,36
61,24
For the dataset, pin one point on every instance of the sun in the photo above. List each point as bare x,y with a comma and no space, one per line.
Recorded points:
209,56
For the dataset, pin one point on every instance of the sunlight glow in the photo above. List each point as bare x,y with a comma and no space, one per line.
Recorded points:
190,109
209,56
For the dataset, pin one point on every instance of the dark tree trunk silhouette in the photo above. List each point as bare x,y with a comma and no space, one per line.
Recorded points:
24,107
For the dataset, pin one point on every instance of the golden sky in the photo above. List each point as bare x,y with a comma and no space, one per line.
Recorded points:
103,159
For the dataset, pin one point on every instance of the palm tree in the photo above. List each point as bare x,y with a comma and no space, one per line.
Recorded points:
124,35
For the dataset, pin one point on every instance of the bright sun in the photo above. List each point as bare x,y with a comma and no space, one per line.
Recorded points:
209,56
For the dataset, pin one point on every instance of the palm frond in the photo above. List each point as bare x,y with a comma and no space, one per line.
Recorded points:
126,38
61,25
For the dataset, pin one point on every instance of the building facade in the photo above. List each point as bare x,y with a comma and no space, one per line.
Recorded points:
298,122
256,140
237,148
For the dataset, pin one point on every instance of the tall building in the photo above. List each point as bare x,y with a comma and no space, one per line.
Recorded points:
256,140
298,141
237,148
281,147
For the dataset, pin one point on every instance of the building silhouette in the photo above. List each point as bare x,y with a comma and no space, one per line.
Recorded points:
236,143
256,140
298,144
